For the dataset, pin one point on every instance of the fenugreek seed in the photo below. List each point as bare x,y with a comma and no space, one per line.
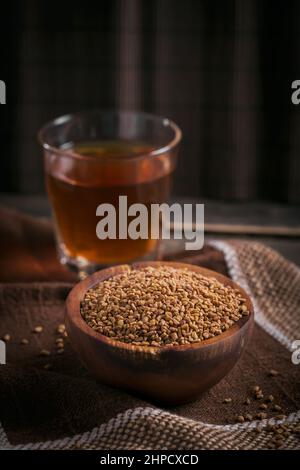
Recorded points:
38,329
259,396
256,388
227,400
270,398
248,417
263,406
47,366
247,401
6,337
24,341
261,415
240,419
60,350
194,335
276,408
44,352
273,373
244,309
59,341
61,328
280,417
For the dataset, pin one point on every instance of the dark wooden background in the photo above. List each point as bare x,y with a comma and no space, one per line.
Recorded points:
221,70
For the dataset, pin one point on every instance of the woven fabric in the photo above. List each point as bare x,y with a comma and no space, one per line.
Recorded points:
274,285
152,429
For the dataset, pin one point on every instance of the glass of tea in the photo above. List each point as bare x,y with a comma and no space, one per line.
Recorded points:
92,158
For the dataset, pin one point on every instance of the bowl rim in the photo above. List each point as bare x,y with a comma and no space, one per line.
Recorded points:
77,293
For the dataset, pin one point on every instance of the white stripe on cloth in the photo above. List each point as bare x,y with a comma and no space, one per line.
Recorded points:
236,273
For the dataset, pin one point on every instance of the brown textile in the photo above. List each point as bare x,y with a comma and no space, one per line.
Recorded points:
38,405
28,251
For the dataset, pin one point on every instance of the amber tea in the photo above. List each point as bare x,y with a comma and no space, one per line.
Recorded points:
93,160
96,172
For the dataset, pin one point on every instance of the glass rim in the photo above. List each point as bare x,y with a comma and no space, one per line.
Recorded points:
166,122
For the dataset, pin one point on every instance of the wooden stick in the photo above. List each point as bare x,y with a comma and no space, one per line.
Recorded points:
238,229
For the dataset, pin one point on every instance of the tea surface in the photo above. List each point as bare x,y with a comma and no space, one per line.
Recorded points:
77,186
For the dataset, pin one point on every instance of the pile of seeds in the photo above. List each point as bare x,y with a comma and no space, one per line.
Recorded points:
162,306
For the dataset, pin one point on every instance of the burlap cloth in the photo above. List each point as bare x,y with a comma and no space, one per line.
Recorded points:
65,408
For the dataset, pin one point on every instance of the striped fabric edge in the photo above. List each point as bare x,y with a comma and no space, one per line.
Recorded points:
235,271
142,428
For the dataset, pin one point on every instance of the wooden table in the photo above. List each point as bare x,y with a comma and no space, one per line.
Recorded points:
230,215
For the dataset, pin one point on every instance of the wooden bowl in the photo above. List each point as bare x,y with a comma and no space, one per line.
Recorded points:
169,374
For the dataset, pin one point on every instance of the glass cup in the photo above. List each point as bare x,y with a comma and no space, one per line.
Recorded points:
92,158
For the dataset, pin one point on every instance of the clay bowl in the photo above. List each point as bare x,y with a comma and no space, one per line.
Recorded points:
171,374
